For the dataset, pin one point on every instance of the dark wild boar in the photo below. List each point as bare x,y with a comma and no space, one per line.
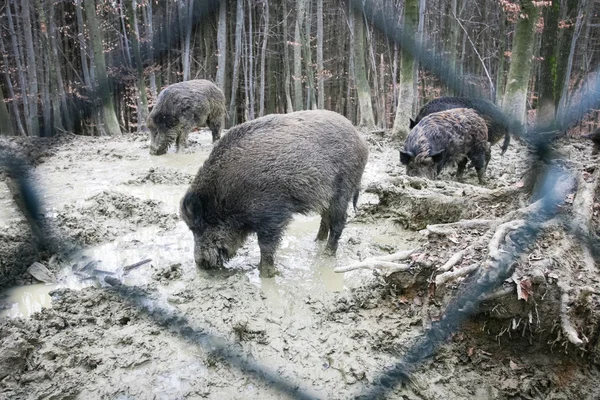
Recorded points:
595,138
455,135
496,121
182,107
262,173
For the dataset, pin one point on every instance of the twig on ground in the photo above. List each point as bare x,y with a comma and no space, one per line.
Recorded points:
381,262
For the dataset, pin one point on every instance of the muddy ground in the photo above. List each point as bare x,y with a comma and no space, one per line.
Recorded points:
170,331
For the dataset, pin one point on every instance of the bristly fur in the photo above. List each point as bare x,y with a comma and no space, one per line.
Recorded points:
180,108
498,126
446,136
264,171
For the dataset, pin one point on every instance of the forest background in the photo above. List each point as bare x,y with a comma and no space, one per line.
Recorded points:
94,67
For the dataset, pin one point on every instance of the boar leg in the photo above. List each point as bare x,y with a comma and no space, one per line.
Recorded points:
479,159
337,220
215,128
461,168
324,227
268,243
181,140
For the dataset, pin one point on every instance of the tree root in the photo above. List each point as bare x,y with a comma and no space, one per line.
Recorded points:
565,321
452,275
381,263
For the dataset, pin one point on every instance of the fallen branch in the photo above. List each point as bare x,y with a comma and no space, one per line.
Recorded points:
452,275
128,268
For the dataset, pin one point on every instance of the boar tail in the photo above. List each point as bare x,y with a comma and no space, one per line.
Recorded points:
355,199
506,142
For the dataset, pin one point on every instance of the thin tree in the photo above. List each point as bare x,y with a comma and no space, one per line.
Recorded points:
286,61
110,122
363,90
6,127
298,105
20,70
142,106
320,69
406,92
515,95
32,78
222,45
263,59
239,26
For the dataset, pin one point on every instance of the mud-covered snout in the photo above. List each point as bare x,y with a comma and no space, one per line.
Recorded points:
209,255
158,145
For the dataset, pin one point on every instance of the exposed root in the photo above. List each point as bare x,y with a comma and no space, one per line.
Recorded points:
503,291
500,234
446,229
565,322
382,262
583,209
452,275
455,259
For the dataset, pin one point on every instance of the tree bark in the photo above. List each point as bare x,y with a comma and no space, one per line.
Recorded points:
363,90
32,78
286,61
142,106
109,117
548,52
239,26
407,71
150,40
11,91
263,59
320,72
311,99
515,95
6,128
298,102
222,45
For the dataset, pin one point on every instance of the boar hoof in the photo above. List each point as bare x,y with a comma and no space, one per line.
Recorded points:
268,271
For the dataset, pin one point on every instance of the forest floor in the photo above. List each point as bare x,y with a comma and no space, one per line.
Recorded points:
169,331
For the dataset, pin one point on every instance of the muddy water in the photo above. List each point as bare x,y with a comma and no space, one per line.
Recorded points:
76,175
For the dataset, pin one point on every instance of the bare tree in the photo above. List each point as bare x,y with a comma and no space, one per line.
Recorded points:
515,95
263,59
32,78
363,90
320,69
6,127
298,103
239,26
222,45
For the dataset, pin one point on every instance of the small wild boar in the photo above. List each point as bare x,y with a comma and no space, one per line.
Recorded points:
455,135
262,173
182,107
496,121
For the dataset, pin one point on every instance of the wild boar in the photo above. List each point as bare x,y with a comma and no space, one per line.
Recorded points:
455,135
262,173
182,107
496,121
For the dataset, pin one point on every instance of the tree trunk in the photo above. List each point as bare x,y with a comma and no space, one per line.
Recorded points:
568,13
564,100
32,78
363,90
286,61
50,104
320,75
188,38
515,95
66,117
311,100
11,92
263,60
222,44
142,106
6,128
547,83
407,71
150,40
298,103
110,122
20,70
250,55
239,26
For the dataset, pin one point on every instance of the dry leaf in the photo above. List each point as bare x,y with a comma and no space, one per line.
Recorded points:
513,365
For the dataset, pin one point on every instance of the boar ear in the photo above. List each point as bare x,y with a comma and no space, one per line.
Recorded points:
405,157
191,208
412,123
437,156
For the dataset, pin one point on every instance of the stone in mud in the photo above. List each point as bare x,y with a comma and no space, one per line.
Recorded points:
456,135
265,171
182,107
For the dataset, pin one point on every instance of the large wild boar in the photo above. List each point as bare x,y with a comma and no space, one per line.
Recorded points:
180,108
496,121
455,135
262,173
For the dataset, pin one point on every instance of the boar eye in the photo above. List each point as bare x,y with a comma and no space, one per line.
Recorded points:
191,210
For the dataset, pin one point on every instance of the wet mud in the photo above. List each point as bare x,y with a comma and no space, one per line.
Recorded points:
166,330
